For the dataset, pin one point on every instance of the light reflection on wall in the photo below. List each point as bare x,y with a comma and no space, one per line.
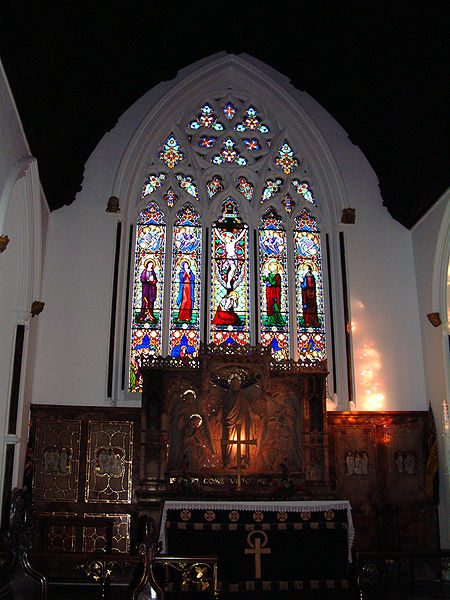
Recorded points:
368,364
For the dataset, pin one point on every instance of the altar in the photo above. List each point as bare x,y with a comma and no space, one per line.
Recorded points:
264,546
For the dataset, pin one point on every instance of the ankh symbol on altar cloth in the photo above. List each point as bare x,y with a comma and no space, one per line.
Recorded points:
257,541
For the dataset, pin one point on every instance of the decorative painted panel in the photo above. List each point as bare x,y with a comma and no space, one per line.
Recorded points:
273,285
309,288
109,462
147,309
186,284
230,285
56,460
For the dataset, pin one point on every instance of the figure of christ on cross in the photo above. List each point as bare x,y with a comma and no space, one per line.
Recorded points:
238,443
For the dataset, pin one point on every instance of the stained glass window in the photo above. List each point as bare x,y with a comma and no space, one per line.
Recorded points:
302,188
252,144
285,158
170,197
309,288
273,285
225,148
272,187
214,186
185,182
229,111
206,119
252,121
152,183
229,154
245,187
171,153
186,284
230,281
147,307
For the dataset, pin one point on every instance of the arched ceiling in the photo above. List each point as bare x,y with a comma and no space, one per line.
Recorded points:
380,72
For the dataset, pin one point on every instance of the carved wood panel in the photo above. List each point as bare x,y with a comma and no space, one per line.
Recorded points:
405,464
109,461
356,465
56,460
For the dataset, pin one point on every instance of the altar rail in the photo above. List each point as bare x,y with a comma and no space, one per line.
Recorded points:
377,572
107,576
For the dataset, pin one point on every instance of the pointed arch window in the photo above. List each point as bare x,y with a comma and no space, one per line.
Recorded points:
227,157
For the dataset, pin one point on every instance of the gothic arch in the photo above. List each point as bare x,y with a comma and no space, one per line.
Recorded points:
249,81
254,79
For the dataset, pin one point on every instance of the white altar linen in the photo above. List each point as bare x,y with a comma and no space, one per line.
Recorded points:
287,506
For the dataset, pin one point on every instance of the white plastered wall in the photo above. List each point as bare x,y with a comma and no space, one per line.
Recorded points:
23,212
74,337
431,242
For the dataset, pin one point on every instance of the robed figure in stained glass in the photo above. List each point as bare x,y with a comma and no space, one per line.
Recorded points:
225,313
149,291
185,298
309,300
273,295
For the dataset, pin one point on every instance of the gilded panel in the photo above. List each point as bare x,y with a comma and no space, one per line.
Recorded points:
56,460
109,462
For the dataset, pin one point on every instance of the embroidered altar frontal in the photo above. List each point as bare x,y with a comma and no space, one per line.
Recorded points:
264,546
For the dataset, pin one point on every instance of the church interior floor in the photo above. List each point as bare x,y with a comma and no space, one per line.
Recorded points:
420,590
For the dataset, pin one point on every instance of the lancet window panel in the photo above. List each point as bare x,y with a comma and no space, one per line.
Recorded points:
309,288
230,279
148,288
273,285
186,284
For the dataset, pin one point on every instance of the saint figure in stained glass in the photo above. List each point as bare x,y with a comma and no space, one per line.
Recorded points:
149,291
309,300
186,294
273,295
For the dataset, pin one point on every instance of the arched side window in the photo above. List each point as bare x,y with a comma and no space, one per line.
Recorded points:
235,192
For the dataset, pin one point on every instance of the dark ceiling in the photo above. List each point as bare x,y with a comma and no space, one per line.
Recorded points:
379,69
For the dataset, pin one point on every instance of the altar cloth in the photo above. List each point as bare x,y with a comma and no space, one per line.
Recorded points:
261,542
